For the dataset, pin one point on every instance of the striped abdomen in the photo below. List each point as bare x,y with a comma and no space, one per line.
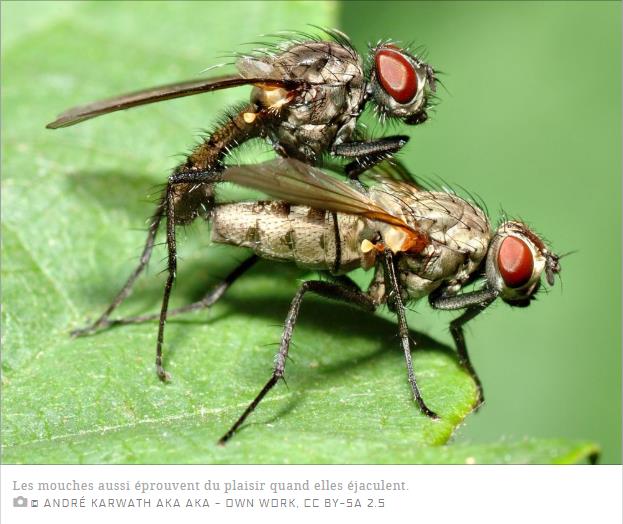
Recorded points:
311,238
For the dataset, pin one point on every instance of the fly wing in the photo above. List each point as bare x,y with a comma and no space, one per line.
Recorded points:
299,183
392,169
157,94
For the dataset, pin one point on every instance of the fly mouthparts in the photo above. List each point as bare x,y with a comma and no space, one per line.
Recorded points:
432,80
552,266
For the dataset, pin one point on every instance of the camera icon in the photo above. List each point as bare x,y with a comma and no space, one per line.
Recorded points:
20,502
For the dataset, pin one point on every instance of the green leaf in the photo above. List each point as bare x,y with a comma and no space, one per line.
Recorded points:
74,205
527,451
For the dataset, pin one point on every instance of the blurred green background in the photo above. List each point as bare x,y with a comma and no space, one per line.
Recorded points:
529,119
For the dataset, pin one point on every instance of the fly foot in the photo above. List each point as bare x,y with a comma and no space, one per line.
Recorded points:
480,399
426,410
163,375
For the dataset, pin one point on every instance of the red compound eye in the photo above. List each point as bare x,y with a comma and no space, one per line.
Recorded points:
396,74
515,262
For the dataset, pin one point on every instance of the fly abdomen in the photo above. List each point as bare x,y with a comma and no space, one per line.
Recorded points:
311,238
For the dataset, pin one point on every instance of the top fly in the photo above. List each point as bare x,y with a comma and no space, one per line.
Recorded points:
306,99
307,96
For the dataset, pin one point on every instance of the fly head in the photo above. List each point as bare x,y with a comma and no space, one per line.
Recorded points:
400,84
516,259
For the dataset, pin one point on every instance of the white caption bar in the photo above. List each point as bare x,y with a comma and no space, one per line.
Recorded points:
509,494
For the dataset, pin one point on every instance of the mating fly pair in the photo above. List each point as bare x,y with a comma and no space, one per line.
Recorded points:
306,99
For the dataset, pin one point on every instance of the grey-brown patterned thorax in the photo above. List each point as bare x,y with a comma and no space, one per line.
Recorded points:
323,114
459,233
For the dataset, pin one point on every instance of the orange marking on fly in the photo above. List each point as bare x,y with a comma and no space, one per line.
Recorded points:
415,242
402,238
399,240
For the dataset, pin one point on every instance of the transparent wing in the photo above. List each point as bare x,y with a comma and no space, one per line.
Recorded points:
392,169
157,94
298,183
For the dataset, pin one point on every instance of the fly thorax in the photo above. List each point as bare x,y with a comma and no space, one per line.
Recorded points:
344,132
324,106
303,142
457,235
413,280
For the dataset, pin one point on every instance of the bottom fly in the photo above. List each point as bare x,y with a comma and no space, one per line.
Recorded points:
419,243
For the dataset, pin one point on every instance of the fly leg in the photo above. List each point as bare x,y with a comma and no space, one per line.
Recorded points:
473,303
104,320
456,328
205,159
208,300
368,153
331,290
394,300
202,169
193,178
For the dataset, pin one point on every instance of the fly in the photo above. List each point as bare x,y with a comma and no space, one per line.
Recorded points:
418,243
306,99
